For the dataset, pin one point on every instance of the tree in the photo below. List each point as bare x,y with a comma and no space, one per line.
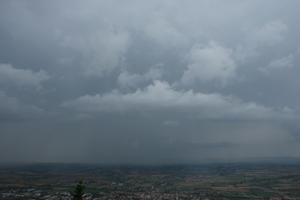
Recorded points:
78,192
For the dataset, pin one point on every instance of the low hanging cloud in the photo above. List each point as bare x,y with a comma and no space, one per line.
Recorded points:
279,64
11,107
128,80
209,63
161,96
21,77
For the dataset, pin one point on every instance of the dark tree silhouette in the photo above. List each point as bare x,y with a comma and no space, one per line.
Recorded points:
78,192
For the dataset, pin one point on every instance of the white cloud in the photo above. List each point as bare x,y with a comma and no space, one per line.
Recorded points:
127,80
21,77
271,33
266,36
165,34
161,96
279,64
210,63
102,48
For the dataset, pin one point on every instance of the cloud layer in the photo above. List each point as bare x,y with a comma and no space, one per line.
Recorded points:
148,82
161,97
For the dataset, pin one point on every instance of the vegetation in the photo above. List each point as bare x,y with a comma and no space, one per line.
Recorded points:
78,192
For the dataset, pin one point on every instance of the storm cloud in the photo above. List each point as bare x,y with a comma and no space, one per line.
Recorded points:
149,82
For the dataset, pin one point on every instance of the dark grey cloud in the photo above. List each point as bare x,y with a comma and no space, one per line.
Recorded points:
148,82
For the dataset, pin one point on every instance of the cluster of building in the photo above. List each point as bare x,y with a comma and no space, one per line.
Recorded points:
148,195
22,193
34,194
38,194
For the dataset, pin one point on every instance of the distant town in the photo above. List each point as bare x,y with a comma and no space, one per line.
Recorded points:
205,182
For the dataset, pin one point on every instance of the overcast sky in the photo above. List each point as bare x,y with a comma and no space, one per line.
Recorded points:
147,82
